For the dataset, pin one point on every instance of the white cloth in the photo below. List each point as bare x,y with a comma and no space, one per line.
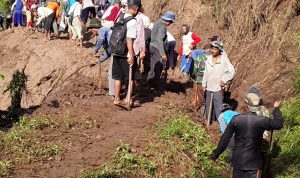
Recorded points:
87,3
75,10
223,70
187,40
43,12
170,37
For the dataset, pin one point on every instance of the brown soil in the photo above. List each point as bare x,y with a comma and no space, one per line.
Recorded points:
63,84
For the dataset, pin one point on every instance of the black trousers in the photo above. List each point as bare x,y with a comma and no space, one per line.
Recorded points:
237,173
156,67
85,14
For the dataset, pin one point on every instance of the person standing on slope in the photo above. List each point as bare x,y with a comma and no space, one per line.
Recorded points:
187,45
248,129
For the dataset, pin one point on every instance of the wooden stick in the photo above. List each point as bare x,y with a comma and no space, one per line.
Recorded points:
129,92
210,110
100,77
195,97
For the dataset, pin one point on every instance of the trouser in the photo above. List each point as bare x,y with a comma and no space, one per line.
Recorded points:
1,23
111,81
104,34
171,54
76,28
156,67
85,13
55,27
217,102
246,173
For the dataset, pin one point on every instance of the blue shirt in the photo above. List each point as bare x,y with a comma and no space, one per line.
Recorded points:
225,118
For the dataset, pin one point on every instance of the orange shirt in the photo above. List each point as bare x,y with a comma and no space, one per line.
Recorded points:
54,6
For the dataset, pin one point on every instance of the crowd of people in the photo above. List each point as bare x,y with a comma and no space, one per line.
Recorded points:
139,49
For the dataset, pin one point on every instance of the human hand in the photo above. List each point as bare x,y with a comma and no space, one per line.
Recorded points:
204,87
142,55
191,47
222,83
178,58
277,104
130,60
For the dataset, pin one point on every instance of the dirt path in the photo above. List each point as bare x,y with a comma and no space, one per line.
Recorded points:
96,127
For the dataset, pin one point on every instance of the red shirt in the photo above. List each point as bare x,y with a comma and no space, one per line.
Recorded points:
196,39
114,14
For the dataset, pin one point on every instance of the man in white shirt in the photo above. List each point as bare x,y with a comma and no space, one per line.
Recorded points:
218,71
121,64
76,26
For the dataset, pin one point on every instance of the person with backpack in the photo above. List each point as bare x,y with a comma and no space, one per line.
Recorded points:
248,129
158,50
76,22
218,71
187,45
124,61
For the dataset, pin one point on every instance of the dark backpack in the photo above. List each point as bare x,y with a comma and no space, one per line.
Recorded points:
117,41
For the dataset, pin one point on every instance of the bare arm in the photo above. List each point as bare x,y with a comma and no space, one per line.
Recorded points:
129,42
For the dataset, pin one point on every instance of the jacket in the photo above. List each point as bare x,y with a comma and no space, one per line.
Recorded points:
248,132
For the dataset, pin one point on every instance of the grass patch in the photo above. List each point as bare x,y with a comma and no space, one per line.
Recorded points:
180,149
286,147
21,144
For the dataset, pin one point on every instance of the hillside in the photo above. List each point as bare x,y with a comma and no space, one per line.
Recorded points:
70,130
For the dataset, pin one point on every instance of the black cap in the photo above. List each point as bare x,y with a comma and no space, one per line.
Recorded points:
135,2
215,38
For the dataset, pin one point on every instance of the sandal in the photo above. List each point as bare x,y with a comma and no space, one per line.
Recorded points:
123,105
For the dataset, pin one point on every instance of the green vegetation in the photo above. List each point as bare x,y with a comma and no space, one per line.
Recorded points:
2,77
16,87
286,147
5,6
180,149
21,144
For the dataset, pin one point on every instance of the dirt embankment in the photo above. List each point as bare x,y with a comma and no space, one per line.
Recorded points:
49,64
261,38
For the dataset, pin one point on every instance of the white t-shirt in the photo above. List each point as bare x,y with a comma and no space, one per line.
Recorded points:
170,37
75,9
131,27
43,12
87,3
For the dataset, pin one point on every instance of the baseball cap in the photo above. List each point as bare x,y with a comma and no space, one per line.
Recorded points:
253,101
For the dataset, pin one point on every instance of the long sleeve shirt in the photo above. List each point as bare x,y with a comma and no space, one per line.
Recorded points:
248,132
139,42
222,70
159,36
187,40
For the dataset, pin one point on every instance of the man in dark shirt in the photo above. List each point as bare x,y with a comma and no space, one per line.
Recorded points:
157,49
248,129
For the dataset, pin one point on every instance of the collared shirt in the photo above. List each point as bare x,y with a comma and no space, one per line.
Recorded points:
222,70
